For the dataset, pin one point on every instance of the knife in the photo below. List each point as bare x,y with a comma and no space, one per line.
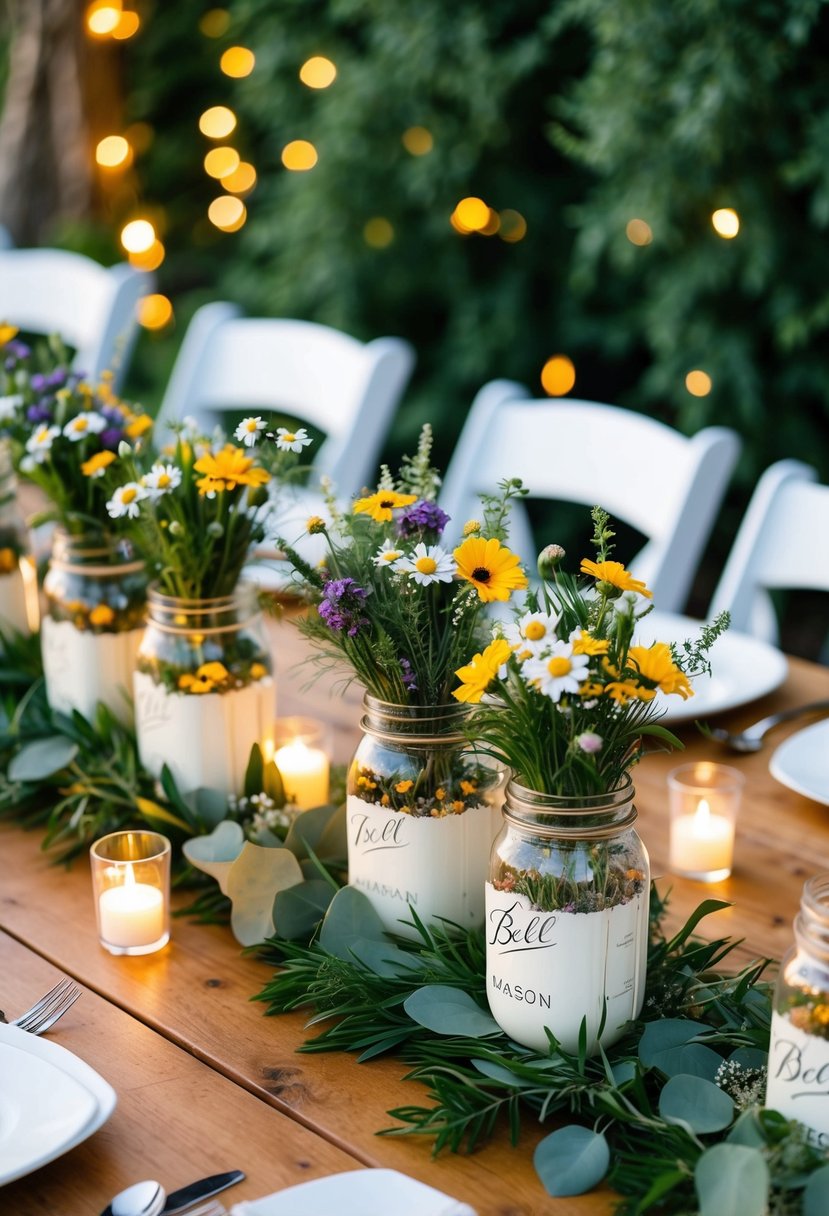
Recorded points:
178,1200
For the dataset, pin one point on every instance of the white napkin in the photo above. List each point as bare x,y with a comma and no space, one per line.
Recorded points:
357,1193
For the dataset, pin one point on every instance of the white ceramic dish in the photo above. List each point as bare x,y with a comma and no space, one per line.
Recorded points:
801,762
743,668
357,1193
97,1097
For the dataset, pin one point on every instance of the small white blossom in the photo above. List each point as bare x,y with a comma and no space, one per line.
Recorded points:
40,442
248,431
86,423
292,441
162,479
558,672
531,634
125,500
387,554
427,564
9,406
589,742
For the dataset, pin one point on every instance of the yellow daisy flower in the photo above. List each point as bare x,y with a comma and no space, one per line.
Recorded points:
615,574
493,570
214,671
7,332
403,787
101,614
227,469
585,643
477,675
656,665
138,425
96,464
380,505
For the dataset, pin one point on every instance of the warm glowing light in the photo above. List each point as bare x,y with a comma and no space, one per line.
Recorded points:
726,223
241,180
102,17
237,61
558,376
221,161
154,312
698,383
299,155
418,141
227,213
140,135
378,232
215,22
492,225
638,232
318,72
453,220
217,122
127,26
513,226
150,259
113,152
472,214
137,236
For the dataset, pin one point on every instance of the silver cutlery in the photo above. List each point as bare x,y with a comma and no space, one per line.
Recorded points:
751,739
45,1012
150,1199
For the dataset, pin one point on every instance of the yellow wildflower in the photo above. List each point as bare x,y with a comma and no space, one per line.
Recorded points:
403,787
615,574
97,463
494,571
8,560
380,505
623,691
138,425
7,332
258,671
315,524
101,614
468,787
215,671
227,469
440,793
191,683
656,665
477,675
587,644
471,527
458,807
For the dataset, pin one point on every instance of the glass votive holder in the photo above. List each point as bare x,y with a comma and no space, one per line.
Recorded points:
704,803
301,750
131,889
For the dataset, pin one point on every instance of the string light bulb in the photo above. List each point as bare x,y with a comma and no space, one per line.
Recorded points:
220,161
471,214
513,226
114,152
378,232
558,375
318,72
128,25
217,122
227,213
103,16
418,141
137,236
698,383
638,232
726,223
154,311
237,61
215,22
299,155
241,180
150,259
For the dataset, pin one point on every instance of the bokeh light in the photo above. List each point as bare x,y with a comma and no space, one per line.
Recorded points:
102,17
221,161
149,259
217,122
215,22
128,25
698,383
558,375
299,155
726,223
318,72
113,152
237,61
241,180
378,232
513,226
418,141
471,214
227,213
638,232
492,225
137,236
154,312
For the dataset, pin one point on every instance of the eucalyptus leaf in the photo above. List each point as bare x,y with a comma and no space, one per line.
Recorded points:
732,1180
253,773
497,1072
383,958
41,759
695,1103
623,1072
571,1161
692,1059
298,910
449,1011
749,1057
747,1130
321,830
350,916
816,1193
255,877
666,1033
214,854
209,805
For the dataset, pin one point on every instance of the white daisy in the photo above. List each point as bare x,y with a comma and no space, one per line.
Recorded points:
125,500
248,430
161,480
428,564
40,442
558,672
292,441
387,554
531,634
9,406
87,423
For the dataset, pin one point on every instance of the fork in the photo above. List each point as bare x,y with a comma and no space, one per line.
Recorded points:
751,739
45,1012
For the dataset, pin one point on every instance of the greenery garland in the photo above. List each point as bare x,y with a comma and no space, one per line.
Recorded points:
671,1115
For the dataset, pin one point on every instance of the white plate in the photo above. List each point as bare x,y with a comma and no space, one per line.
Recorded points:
743,668
802,762
357,1193
99,1094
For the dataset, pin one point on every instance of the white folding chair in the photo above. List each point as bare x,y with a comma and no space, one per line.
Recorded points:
781,543
662,483
92,307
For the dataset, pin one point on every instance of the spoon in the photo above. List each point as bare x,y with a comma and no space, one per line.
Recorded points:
141,1199
751,739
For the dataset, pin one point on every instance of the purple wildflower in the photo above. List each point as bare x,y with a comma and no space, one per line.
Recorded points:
423,516
15,351
341,606
39,413
409,678
111,437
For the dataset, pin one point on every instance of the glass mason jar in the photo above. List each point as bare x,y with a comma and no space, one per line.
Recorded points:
567,917
798,1071
204,689
422,809
95,607
19,610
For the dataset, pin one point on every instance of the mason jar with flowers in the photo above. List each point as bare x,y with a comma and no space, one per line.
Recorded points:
204,675
565,697
397,608
66,435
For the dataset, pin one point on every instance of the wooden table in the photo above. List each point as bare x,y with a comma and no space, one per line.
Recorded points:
206,1082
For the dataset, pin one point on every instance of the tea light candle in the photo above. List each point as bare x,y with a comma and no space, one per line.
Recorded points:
131,889
305,772
131,914
705,799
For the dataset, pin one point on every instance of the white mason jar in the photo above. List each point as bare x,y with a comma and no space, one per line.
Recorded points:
422,810
567,917
798,1072
19,612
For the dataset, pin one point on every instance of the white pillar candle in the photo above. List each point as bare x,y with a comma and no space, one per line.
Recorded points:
702,843
131,914
305,772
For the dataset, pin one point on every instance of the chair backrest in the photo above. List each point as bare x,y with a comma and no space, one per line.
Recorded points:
92,307
346,388
782,542
662,483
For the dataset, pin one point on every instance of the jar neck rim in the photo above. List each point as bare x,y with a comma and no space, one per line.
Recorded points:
811,925
93,552
439,724
571,817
